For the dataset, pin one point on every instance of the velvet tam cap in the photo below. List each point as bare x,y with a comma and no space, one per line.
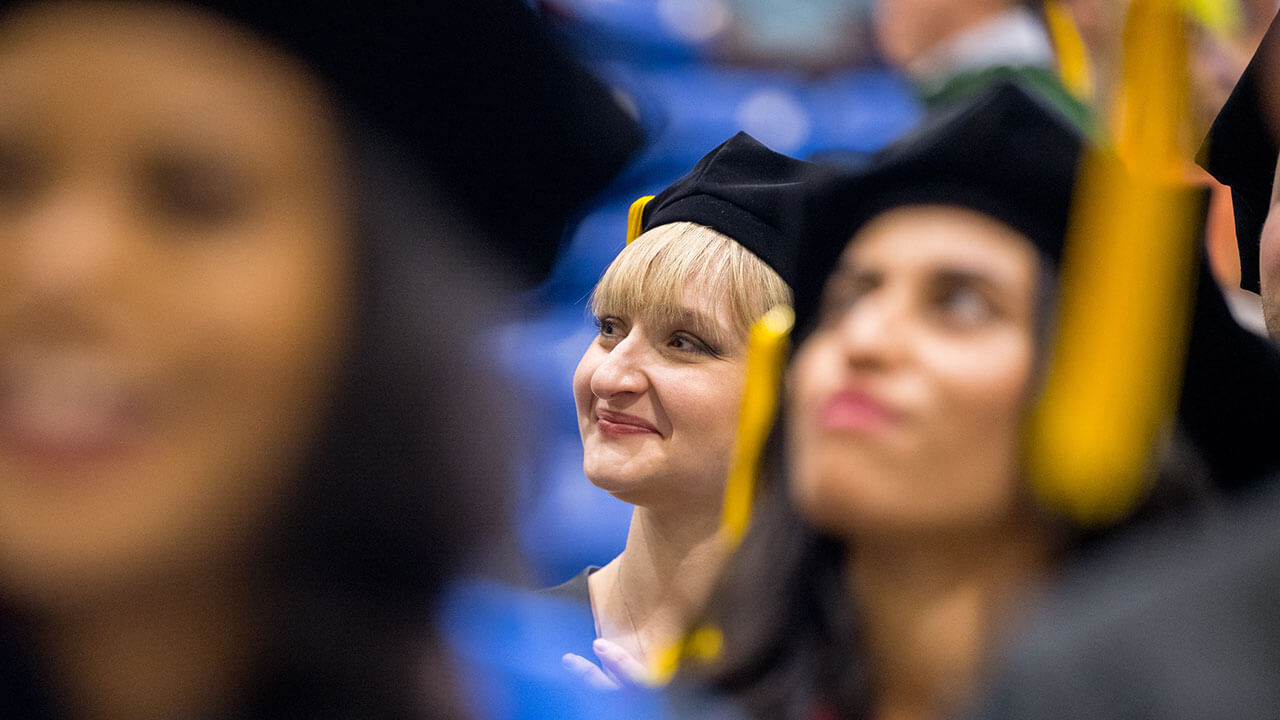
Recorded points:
744,190
1006,154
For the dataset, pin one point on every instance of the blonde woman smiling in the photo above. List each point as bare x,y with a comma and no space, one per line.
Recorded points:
658,391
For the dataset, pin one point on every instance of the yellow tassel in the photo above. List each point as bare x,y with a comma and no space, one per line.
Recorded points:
1222,17
635,217
766,358
1126,288
1074,68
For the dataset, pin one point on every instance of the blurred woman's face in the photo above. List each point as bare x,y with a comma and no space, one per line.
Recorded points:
174,251
658,404
906,402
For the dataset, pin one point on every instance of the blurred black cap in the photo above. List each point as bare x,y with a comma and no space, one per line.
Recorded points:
744,190
1010,156
1006,153
481,99
1240,150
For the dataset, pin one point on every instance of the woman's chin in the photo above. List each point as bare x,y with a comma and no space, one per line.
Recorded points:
624,486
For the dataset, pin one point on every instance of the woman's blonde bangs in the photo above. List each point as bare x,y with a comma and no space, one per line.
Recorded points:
649,277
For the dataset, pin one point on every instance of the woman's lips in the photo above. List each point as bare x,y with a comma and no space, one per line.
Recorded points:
66,411
851,410
616,424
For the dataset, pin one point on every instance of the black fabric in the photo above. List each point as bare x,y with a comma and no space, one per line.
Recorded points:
1173,626
1012,157
1240,151
576,591
477,93
744,190
1230,400
21,688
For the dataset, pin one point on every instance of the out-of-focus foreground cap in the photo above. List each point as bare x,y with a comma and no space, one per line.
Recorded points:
1240,150
476,95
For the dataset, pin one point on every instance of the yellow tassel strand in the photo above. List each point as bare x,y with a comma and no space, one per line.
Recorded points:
1074,68
766,358
1222,17
1126,288
635,217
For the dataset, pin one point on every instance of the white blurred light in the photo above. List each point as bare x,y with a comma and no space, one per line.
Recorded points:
694,20
776,119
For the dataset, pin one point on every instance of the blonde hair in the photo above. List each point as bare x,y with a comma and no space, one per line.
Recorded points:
649,276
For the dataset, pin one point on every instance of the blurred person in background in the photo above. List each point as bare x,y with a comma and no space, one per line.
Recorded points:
658,393
1218,59
896,536
244,436
952,49
1217,56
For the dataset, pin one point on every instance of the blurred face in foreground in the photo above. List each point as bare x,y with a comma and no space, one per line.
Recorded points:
174,251
906,402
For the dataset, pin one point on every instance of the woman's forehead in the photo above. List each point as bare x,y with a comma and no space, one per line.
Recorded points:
928,236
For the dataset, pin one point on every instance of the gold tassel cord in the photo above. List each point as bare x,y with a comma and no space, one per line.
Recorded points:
635,217
1074,68
766,356
1223,17
1125,288
766,359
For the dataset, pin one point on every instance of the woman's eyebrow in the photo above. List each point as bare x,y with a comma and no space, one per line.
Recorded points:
849,270
964,276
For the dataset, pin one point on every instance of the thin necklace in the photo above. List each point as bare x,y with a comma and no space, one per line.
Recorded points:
626,606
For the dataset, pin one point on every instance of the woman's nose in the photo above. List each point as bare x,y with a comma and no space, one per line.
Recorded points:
623,370
872,332
70,244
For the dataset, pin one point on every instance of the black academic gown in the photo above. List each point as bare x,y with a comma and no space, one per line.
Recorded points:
1177,626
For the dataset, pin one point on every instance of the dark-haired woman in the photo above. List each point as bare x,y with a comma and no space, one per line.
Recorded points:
897,534
242,440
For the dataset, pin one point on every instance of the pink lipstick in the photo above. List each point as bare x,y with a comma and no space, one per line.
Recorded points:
616,424
851,410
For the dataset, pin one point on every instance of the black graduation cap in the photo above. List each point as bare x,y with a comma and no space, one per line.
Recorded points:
1010,156
1240,150
744,190
478,94
1006,154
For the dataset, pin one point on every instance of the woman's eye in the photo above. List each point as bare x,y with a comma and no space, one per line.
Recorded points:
608,327
198,193
18,175
964,306
840,295
688,344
